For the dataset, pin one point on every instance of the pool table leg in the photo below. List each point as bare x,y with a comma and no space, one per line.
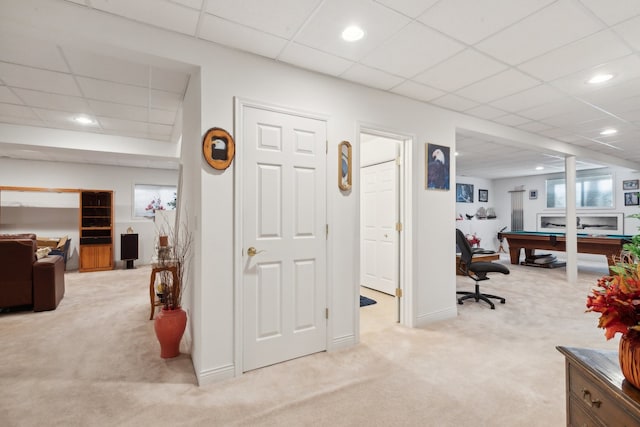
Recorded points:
514,254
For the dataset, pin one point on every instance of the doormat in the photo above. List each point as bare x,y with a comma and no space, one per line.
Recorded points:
364,301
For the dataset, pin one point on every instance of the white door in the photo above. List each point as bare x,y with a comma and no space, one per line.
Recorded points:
379,263
284,220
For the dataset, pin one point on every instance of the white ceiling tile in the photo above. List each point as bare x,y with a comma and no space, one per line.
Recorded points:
313,59
114,92
511,120
60,118
73,104
632,115
8,97
18,120
90,64
460,70
32,52
168,80
119,111
582,54
541,32
370,77
160,129
17,111
454,102
630,31
497,86
160,13
552,109
164,100
402,56
324,30
282,18
568,120
162,116
485,112
472,21
82,2
417,91
533,127
193,4
411,8
529,98
240,37
36,79
613,12
623,69
109,123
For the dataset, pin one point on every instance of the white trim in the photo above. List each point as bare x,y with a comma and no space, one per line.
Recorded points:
211,376
428,318
345,341
239,105
406,143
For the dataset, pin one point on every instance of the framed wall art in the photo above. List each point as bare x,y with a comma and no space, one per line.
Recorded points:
630,184
533,194
631,199
464,193
345,166
483,195
437,161
218,148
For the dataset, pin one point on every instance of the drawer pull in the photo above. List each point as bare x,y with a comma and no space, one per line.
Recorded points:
586,395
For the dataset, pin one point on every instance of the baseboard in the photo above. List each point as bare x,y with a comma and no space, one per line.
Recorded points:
211,376
342,342
436,316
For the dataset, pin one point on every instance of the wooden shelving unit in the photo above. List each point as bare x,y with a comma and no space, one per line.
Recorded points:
96,230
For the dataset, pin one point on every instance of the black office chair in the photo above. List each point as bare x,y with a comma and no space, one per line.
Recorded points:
477,271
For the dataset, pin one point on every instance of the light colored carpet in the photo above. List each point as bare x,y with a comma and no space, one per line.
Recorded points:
95,362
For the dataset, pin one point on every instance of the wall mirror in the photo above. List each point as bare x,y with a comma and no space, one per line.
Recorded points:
344,166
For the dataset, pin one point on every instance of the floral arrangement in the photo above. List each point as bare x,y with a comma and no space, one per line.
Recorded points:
617,296
155,205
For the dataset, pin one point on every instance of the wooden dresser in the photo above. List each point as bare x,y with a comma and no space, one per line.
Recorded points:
597,393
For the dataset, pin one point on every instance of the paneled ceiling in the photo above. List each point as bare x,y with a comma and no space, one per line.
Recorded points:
520,63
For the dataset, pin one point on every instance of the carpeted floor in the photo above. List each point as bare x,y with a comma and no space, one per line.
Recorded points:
95,362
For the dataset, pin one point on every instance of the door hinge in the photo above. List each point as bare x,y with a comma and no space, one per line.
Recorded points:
399,292
398,161
398,226
326,313
326,231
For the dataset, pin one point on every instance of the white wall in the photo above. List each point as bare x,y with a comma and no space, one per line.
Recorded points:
58,221
485,229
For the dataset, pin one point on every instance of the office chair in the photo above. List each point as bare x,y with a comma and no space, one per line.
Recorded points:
477,271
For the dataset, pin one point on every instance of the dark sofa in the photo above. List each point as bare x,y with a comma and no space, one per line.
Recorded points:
26,280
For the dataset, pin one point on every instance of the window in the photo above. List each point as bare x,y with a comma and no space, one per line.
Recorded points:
592,191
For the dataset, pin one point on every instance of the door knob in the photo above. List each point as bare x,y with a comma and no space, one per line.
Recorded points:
252,251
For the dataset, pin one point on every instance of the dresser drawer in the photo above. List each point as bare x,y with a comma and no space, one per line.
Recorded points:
578,417
596,402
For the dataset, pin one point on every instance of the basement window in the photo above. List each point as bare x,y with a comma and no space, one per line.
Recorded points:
592,191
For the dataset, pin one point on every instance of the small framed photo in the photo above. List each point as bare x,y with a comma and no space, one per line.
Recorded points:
631,199
483,195
533,194
630,184
464,193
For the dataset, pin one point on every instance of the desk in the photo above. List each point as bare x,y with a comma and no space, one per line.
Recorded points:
607,245
155,269
596,392
476,258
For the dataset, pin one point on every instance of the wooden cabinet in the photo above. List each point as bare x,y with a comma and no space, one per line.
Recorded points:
597,393
96,230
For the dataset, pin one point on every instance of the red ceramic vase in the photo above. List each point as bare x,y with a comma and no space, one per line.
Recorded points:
169,326
629,353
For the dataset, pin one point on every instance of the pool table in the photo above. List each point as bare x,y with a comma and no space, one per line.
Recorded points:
608,245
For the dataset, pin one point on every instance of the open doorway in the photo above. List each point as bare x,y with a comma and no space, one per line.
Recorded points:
382,229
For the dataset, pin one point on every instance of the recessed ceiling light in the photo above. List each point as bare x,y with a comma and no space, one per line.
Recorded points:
352,33
83,120
608,132
600,78
539,168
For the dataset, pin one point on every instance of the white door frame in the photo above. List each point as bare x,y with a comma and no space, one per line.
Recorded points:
405,244
239,105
